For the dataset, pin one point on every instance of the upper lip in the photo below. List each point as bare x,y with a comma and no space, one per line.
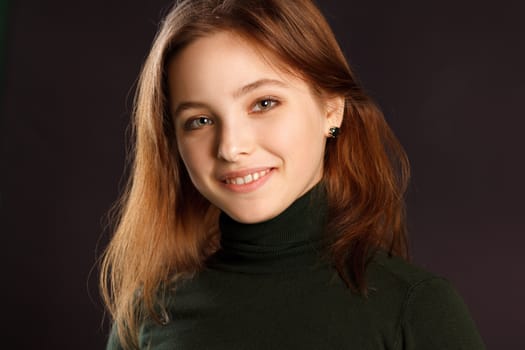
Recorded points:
242,172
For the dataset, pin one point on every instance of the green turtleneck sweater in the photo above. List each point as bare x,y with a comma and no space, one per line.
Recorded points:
268,288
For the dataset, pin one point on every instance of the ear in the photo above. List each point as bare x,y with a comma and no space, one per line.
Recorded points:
334,112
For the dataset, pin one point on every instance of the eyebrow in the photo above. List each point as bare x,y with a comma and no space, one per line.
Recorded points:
238,93
257,84
183,106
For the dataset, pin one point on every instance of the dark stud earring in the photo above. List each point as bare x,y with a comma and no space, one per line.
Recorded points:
334,132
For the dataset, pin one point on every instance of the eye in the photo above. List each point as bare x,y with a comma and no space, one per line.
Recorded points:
197,123
265,104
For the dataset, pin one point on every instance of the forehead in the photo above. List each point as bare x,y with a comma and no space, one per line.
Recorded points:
224,60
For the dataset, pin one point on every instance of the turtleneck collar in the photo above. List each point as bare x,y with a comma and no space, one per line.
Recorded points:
282,242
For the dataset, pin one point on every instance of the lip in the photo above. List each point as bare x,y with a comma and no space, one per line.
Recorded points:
242,173
249,187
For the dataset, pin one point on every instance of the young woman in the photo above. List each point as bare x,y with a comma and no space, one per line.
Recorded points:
265,208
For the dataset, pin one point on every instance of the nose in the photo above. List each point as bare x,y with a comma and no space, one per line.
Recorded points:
235,140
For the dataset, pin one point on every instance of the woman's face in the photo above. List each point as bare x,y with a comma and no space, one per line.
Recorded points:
252,137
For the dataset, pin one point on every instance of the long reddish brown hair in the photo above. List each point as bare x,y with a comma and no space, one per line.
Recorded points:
160,235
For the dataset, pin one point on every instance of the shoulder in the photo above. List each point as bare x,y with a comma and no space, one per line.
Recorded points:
398,270
397,278
430,311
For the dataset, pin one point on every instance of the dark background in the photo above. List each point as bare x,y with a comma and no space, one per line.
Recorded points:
448,74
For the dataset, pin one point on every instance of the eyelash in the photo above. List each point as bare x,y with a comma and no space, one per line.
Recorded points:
190,124
273,102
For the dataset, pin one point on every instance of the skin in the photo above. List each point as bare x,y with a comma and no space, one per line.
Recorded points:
235,116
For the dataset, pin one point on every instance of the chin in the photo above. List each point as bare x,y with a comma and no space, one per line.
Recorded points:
252,216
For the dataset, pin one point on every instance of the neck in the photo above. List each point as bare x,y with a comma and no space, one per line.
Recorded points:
282,242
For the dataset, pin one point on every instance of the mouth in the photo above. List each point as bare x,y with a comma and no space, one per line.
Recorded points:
244,179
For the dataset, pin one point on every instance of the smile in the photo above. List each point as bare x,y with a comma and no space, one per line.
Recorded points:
243,180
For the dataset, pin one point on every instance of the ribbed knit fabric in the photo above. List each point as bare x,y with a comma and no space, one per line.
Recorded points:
287,242
269,288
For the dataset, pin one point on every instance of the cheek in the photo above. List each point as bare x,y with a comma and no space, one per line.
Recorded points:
296,126
194,158
305,132
298,138
310,141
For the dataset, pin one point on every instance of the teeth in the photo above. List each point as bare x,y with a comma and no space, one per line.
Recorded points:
248,178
